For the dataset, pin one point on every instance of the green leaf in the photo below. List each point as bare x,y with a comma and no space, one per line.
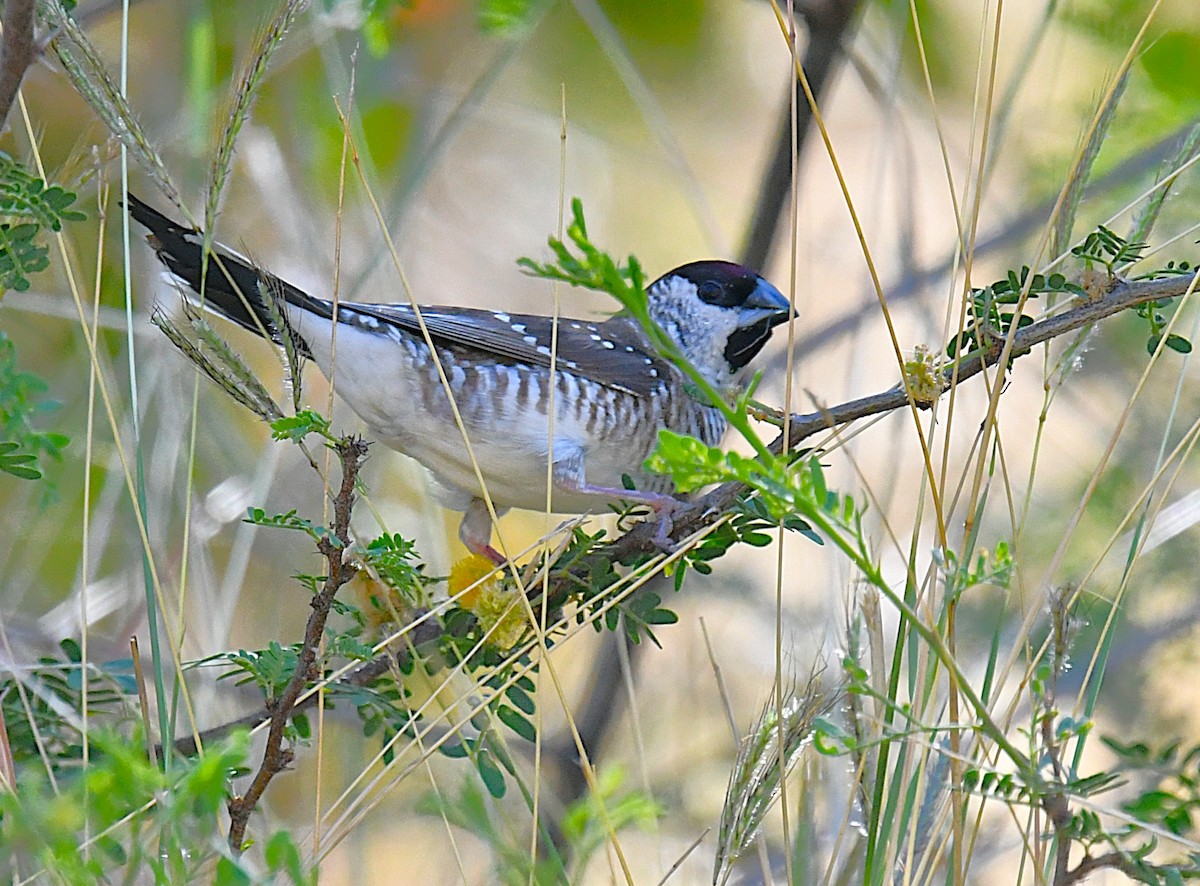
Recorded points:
283,856
258,517
517,723
297,427
493,777
520,699
1170,60
1179,343
17,464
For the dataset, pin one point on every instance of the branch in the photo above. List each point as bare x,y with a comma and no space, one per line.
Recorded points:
1123,295
352,452
914,281
16,52
1091,864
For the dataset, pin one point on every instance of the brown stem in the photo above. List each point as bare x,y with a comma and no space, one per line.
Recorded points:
1091,864
351,452
1060,820
16,52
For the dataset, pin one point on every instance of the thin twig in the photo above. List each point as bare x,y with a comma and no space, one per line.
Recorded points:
352,452
1091,864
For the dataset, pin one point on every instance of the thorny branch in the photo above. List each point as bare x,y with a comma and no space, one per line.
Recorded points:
352,452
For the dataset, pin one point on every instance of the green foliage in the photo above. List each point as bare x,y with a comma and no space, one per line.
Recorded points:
593,268
21,402
145,825
990,319
587,821
269,669
290,520
1107,249
993,568
496,18
1152,313
585,826
17,463
1173,801
31,205
749,524
34,717
787,489
395,560
296,427
503,18
1170,61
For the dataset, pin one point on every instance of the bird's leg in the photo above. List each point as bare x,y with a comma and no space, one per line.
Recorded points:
475,531
568,476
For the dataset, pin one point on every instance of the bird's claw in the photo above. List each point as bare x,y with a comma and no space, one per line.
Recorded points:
662,533
664,510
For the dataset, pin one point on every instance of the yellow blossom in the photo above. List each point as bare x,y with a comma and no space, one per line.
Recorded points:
479,587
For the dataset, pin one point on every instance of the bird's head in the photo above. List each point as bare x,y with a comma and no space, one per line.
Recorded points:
719,314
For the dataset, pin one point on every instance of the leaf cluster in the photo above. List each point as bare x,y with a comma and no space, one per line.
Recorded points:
33,709
992,310
29,204
146,825
21,402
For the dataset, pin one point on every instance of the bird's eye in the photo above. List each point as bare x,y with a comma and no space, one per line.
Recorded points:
710,291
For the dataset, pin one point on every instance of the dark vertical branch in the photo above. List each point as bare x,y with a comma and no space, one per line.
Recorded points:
827,22
340,569
16,51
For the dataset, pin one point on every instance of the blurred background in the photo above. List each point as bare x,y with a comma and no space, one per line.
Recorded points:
673,114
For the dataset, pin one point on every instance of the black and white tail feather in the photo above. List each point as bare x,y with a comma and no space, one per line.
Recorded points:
230,285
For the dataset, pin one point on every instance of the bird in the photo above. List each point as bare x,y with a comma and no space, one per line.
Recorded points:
610,389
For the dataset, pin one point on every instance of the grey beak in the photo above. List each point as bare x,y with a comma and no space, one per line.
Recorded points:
765,303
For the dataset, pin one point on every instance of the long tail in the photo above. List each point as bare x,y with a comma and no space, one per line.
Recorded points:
230,284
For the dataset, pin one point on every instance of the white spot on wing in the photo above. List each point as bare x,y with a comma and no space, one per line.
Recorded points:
502,317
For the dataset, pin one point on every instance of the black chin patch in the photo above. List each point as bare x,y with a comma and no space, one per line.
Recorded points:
745,343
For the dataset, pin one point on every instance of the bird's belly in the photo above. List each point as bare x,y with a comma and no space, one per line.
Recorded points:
502,411
513,463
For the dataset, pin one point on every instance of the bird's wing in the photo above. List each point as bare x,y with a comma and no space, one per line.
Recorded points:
613,353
